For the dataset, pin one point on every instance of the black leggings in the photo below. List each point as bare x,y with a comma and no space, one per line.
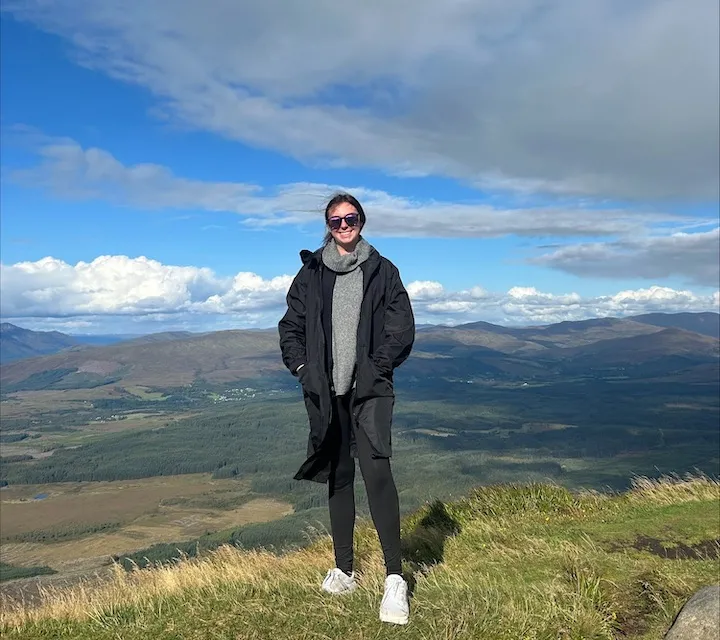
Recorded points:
379,484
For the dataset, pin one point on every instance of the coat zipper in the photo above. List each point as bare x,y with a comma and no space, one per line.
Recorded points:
366,288
324,345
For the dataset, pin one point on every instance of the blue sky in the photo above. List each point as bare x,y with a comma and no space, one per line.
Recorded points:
163,164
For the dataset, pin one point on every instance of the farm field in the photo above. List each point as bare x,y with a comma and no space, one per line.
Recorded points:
128,515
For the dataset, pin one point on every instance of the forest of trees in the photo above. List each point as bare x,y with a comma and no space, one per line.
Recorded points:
11,572
58,534
265,440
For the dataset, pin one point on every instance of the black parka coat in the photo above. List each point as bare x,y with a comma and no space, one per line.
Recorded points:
385,335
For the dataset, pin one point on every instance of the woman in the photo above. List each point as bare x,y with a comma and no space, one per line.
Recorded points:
349,323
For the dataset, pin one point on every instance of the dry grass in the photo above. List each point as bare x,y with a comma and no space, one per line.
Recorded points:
672,489
211,573
510,573
225,565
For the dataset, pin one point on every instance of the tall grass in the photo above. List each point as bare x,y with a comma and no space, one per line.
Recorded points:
670,489
498,564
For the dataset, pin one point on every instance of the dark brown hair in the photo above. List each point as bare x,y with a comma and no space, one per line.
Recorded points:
337,199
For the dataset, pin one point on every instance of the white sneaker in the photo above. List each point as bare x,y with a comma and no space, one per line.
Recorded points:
395,607
337,581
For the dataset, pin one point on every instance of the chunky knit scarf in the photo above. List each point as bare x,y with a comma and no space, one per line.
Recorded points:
346,302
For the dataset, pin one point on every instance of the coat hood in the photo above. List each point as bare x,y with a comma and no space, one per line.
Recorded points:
308,256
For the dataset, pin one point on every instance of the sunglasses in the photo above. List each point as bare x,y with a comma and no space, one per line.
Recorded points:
351,219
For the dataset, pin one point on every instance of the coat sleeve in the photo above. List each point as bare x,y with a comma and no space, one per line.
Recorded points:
399,331
292,324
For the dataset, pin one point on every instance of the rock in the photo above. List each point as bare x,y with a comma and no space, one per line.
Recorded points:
699,619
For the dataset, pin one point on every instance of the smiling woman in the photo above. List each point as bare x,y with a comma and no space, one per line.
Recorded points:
348,325
345,219
163,164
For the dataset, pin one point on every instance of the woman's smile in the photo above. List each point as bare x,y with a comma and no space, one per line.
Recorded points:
347,234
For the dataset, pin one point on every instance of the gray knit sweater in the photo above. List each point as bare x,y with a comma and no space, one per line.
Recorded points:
346,302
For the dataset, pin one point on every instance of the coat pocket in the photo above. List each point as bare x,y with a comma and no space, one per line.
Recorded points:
310,381
373,381
374,416
317,428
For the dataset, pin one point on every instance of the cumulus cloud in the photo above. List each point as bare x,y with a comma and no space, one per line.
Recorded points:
527,305
694,256
248,292
600,97
71,171
424,290
140,294
119,285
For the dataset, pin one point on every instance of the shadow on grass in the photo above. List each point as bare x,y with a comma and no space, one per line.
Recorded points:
424,546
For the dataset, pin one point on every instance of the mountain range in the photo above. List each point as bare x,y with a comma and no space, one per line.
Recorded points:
648,345
17,343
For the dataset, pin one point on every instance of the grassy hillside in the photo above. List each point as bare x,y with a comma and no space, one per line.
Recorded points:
530,562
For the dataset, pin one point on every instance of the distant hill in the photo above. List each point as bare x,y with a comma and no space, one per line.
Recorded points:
575,334
216,357
639,349
100,339
587,331
17,343
487,326
456,338
518,339
163,337
708,324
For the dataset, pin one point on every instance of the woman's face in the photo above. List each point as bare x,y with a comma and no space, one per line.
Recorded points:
345,234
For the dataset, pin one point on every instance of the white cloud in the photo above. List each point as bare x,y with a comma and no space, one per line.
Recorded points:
119,285
694,256
70,171
135,295
424,290
601,97
451,306
248,292
527,305
532,294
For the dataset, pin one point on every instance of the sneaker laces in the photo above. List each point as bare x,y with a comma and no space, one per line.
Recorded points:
337,575
393,587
